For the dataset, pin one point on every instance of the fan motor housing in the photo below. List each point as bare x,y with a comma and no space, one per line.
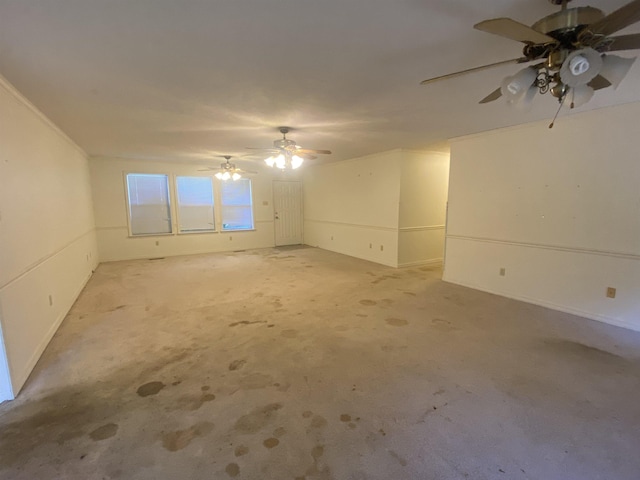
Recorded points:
565,25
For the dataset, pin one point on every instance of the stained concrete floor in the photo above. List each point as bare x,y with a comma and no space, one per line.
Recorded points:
305,364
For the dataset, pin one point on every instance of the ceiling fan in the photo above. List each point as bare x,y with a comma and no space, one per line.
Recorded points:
227,170
287,154
570,48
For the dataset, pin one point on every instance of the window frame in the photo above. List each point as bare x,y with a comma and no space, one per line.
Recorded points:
251,206
214,228
128,204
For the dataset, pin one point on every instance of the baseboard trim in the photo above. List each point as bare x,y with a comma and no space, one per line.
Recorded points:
23,376
422,263
553,306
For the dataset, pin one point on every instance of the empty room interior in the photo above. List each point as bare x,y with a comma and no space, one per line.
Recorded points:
339,240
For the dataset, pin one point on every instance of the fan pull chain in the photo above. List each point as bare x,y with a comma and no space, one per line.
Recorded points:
564,97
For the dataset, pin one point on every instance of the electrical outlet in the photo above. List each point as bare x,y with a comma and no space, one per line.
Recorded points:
371,245
157,242
50,300
230,237
503,272
381,248
611,292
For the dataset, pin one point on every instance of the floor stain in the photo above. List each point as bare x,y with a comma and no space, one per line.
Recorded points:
257,419
400,459
246,322
241,450
318,422
174,441
205,388
237,364
361,315
233,470
151,388
255,381
397,322
317,451
410,293
307,414
271,442
289,333
368,303
345,418
443,325
104,432
279,432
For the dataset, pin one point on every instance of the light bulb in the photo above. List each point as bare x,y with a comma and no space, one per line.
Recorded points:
296,161
270,161
236,176
280,161
578,65
226,176
218,175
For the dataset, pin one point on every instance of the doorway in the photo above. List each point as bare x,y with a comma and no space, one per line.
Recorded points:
287,208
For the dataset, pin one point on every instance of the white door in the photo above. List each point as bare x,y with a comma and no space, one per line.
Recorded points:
287,207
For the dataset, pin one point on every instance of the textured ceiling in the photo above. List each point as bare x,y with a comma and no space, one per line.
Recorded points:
185,79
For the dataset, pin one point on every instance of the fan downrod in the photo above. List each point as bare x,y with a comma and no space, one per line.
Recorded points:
284,130
559,2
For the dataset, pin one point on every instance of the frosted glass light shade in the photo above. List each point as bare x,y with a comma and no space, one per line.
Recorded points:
514,87
270,161
615,68
296,161
581,95
580,67
280,161
236,176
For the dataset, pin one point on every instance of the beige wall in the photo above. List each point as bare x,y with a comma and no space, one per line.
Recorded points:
108,185
47,235
351,207
558,209
423,205
388,208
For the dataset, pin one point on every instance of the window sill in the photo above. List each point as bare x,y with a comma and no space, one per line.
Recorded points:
197,232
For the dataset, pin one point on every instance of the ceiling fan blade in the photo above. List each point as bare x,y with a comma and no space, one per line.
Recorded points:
508,28
625,42
312,151
599,82
496,94
471,70
623,17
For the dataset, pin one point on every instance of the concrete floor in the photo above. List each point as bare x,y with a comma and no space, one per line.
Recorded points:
305,364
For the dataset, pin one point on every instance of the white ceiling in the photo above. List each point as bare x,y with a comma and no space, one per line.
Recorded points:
184,79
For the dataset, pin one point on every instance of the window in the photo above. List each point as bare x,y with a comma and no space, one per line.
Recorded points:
195,204
237,209
149,209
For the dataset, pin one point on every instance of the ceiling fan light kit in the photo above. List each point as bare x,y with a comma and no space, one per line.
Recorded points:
227,170
287,154
571,50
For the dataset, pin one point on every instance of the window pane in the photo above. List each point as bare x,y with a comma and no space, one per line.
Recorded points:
149,211
195,204
237,207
